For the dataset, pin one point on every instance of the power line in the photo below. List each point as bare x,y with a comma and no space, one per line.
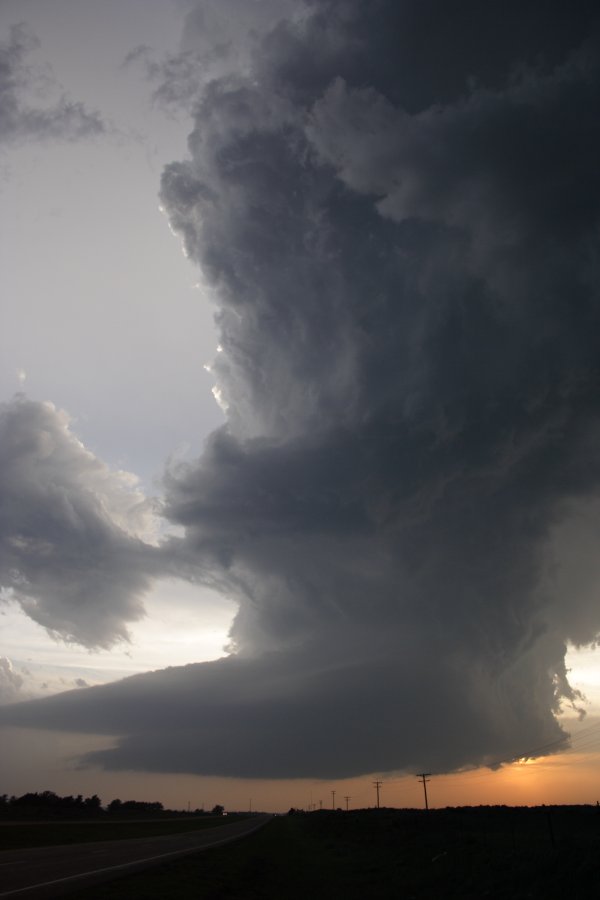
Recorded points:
576,742
333,799
582,740
346,799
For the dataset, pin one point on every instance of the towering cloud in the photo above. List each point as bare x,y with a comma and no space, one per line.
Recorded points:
396,205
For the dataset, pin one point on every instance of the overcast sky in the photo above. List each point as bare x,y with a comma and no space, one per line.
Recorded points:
299,373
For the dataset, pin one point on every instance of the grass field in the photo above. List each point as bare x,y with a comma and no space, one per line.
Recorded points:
15,835
474,853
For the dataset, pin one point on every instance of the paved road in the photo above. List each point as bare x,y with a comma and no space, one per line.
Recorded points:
45,872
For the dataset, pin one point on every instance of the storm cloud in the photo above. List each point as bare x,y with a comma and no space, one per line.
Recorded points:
395,205
74,550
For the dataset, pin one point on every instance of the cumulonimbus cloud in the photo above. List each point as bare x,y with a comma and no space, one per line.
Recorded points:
405,267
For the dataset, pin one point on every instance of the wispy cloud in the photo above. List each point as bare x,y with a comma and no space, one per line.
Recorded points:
29,105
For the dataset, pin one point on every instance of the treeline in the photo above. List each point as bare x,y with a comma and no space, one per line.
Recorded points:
48,805
127,806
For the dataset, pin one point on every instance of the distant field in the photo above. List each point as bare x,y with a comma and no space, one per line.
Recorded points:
17,835
547,853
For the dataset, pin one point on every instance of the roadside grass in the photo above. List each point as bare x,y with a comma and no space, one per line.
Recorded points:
18,835
502,854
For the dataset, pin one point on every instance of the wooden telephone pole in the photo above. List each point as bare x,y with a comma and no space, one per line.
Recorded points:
377,785
424,777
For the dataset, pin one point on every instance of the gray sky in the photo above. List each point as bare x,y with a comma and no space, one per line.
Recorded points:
101,314
391,209
98,303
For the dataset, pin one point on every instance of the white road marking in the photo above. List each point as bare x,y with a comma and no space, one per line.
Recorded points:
127,865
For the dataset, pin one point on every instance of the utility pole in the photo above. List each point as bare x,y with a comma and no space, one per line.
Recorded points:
377,785
346,799
320,804
424,777
333,799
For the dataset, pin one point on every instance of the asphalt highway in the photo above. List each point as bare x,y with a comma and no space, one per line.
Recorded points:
46,872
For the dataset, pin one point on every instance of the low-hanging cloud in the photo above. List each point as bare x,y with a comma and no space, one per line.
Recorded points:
22,117
400,231
74,534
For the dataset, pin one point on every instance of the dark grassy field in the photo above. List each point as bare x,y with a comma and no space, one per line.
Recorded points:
15,835
479,853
